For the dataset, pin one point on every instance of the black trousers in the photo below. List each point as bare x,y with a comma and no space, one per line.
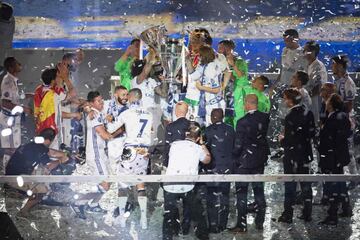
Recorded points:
290,190
337,193
218,205
191,201
241,193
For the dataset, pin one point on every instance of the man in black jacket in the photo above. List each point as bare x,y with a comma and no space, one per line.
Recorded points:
34,159
177,129
219,139
299,131
251,152
334,155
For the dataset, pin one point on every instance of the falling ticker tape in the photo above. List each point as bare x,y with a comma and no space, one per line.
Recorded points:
183,178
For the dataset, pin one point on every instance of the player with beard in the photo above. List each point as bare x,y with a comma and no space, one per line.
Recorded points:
137,121
112,109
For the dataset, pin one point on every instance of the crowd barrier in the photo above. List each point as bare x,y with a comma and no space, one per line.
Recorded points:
183,178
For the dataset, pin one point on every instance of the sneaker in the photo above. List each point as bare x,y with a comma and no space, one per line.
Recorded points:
285,219
95,209
79,211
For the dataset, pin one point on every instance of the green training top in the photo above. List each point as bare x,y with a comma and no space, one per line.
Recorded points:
124,70
242,65
263,102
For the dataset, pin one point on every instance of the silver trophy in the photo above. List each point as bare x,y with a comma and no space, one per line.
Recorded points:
169,50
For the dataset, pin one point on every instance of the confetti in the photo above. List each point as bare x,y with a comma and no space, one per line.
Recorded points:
6,132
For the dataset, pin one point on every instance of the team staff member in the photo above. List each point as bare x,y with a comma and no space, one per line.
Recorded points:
334,155
177,129
219,139
346,88
194,152
251,152
299,130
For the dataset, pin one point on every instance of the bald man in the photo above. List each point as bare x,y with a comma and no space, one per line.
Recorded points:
250,153
176,131
181,109
219,139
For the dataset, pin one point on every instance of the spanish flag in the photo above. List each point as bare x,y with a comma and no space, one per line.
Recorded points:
44,108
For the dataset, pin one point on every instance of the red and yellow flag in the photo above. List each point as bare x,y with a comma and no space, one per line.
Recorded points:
44,108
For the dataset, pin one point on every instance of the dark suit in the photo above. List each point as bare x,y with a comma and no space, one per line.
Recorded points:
176,131
219,138
334,155
251,152
323,113
299,130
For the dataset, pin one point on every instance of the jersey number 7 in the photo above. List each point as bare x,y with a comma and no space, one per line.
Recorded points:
143,122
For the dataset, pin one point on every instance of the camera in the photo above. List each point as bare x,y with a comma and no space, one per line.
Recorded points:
74,158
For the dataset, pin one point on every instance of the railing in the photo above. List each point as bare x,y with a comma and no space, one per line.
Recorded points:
184,178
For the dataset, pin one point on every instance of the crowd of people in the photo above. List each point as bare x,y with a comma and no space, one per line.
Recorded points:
215,123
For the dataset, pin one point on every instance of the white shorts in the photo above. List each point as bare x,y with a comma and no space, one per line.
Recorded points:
115,149
98,166
136,166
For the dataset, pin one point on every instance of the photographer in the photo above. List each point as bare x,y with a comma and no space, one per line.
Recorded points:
34,159
184,159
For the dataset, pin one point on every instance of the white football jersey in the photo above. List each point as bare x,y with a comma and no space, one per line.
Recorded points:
138,123
111,107
95,145
147,88
292,60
